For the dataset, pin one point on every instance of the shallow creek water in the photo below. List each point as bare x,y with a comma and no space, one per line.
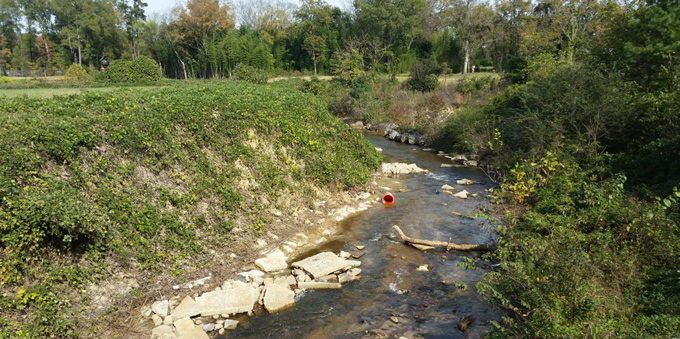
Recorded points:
390,285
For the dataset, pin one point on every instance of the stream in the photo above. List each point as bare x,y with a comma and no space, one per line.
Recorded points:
424,304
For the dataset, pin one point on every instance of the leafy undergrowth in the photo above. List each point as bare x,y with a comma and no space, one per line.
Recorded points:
150,180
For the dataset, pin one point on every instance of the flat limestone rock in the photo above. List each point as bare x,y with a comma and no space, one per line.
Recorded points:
162,331
194,333
324,263
313,285
238,299
187,308
462,194
230,324
183,326
465,182
273,261
401,168
278,296
447,188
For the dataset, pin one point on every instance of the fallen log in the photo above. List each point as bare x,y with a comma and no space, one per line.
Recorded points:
447,244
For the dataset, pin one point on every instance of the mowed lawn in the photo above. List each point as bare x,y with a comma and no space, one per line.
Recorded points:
50,92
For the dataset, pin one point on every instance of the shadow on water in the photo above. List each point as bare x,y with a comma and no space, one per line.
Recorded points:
424,304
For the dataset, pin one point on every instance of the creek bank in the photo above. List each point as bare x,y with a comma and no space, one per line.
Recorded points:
270,271
392,131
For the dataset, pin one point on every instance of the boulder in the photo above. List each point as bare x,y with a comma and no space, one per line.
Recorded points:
447,188
358,125
413,139
465,182
404,138
393,135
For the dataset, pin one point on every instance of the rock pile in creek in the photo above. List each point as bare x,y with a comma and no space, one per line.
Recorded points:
211,312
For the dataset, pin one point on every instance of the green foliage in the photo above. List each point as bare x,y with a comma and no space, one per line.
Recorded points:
250,74
145,177
76,72
584,259
476,84
424,76
143,70
348,65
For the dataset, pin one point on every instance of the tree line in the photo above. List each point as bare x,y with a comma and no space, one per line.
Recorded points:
208,38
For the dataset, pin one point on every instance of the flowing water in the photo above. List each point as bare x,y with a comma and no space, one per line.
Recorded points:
425,304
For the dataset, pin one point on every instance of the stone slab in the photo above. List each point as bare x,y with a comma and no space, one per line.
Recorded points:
278,296
195,333
230,324
187,308
184,325
273,261
324,263
162,330
238,299
313,285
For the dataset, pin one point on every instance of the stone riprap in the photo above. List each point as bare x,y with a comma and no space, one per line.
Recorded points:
209,313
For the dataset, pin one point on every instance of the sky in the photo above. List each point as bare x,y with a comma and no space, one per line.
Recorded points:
163,6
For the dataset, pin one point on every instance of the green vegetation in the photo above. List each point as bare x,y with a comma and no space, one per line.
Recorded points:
144,179
590,239
582,137
143,70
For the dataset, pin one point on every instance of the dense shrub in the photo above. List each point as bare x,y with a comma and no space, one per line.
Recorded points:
143,70
250,74
76,72
424,76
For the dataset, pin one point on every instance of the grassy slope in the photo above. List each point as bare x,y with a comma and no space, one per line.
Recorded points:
151,179
52,92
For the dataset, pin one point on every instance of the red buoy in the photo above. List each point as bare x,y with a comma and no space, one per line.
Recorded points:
388,199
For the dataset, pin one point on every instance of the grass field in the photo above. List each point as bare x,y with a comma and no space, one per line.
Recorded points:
50,92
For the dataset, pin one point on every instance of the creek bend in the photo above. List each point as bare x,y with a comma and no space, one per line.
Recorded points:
425,304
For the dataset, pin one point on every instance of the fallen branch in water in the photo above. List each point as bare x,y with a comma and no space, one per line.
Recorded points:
447,244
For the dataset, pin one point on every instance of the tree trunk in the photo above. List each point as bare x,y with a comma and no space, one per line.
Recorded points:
449,245
80,55
466,63
184,67
314,60
134,50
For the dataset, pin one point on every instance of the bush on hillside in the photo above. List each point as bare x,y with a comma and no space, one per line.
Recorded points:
143,70
250,74
76,72
424,76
